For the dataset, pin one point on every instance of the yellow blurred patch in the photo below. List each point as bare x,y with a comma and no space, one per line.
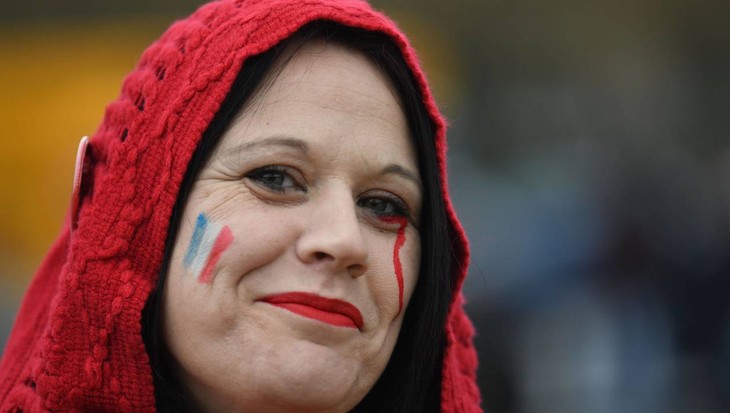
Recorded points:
55,81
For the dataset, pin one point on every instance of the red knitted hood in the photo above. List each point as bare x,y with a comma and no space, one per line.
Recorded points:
76,344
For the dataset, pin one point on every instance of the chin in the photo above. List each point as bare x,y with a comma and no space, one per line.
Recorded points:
312,377
285,375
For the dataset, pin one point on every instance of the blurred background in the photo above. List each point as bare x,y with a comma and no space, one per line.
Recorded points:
589,162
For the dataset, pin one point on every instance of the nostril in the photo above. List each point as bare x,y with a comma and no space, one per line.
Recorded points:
321,256
356,270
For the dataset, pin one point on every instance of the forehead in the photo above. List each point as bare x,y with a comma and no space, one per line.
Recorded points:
332,97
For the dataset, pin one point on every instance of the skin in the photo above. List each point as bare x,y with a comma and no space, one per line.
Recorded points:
313,179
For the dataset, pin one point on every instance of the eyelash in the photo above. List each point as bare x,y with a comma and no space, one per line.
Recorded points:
397,207
260,176
394,206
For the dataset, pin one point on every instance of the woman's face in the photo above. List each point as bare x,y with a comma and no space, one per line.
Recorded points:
298,250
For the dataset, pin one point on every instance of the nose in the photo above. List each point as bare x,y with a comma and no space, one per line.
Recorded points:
333,235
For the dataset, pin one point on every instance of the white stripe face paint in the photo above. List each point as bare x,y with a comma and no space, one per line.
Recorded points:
206,246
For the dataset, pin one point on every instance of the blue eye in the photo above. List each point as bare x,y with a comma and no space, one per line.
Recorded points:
384,206
275,178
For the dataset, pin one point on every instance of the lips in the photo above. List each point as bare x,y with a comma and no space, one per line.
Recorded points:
327,310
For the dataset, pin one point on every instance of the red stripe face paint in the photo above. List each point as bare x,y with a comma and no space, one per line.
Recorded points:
224,240
209,241
399,241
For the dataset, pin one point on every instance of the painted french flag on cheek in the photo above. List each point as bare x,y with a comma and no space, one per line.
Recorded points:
210,239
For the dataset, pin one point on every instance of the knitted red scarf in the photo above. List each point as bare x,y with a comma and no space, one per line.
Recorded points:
76,343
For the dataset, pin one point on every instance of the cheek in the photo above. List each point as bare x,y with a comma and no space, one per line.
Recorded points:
410,258
263,237
226,242
209,240
400,267
400,240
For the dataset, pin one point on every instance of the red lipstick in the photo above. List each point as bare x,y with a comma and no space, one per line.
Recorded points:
327,310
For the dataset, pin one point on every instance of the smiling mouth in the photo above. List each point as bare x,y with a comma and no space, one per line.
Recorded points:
327,310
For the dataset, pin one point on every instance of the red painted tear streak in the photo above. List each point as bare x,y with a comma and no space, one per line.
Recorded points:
399,241
224,240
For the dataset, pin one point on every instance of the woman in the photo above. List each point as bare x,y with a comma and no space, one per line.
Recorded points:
261,225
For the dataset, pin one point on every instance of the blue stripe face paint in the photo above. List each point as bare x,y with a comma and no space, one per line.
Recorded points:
210,239
200,224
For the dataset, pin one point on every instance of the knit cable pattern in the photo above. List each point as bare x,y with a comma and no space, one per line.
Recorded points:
76,344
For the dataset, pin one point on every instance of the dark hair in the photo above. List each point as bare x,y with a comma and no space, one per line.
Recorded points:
411,381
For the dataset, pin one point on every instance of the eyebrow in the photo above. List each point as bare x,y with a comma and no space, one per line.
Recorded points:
303,147
286,141
401,171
